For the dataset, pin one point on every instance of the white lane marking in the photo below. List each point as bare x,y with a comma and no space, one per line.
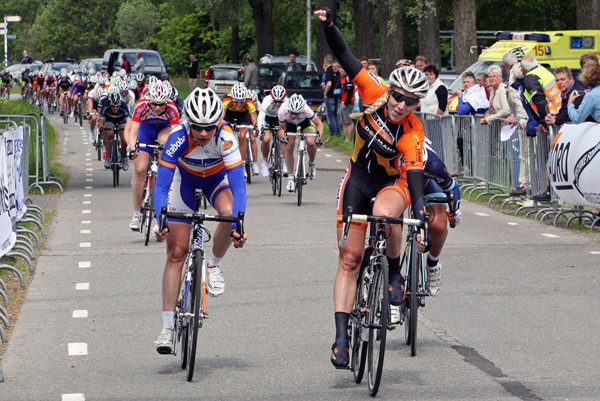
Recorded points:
338,160
595,253
88,154
512,223
482,214
73,397
80,314
87,202
85,231
82,286
89,180
85,244
86,221
89,169
88,164
85,264
89,174
327,155
89,187
86,211
87,195
78,349
88,160
550,235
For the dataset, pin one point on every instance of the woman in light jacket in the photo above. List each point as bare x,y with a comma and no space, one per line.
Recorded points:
436,101
499,107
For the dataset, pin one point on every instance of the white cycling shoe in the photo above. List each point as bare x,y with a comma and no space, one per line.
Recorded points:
216,281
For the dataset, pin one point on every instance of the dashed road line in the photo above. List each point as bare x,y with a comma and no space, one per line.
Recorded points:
80,314
89,180
86,222
85,211
550,235
85,231
482,214
87,195
511,223
84,264
89,187
87,202
595,253
78,349
85,244
73,397
82,286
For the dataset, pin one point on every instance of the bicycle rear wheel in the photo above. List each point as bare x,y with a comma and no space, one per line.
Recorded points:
98,144
358,347
273,170
196,299
379,312
184,309
80,113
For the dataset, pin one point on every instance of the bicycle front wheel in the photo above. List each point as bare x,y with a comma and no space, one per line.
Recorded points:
414,301
196,299
148,210
300,177
114,165
379,312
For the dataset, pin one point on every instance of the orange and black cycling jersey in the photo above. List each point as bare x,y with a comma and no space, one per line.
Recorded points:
383,148
248,106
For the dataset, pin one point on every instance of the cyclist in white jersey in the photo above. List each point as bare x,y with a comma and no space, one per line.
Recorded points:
292,114
267,116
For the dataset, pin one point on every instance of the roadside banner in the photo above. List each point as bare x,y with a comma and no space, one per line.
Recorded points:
7,236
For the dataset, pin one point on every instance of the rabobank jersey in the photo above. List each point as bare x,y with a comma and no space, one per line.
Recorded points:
201,164
285,117
144,113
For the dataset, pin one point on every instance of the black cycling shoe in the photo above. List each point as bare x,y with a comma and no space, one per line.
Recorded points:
340,357
397,289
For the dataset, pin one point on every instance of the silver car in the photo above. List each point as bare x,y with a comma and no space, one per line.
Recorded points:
222,77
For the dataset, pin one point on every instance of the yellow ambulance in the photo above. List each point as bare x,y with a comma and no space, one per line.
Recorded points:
552,49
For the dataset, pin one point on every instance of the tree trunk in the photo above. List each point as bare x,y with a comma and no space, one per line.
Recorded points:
322,48
235,44
429,32
588,14
465,33
262,12
392,35
364,32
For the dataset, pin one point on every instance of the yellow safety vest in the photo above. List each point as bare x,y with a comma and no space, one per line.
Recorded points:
547,81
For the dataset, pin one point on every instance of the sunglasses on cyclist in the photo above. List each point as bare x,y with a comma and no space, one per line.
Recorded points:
399,97
277,101
206,128
158,104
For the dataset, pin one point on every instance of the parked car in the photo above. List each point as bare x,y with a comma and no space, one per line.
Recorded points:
302,60
268,75
222,77
153,62
95,63
15,70
307,84
50,65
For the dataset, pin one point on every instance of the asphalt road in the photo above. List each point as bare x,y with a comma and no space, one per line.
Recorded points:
517,317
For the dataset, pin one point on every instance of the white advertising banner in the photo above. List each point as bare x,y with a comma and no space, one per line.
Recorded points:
7,236
574,164
20,205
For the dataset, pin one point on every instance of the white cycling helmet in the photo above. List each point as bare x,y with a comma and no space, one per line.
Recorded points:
296,104
411,80
140,76
203,107
278,93
93,79
91,71
122,72
102,80
158,92
115,99
174,94
252,94
152,79
122,85
133,84
113,89
239,91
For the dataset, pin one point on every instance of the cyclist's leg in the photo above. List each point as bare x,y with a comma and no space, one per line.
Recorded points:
288,150
243,143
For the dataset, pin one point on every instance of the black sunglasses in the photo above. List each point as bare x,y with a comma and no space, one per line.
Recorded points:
206,128
278,101
158,104
399,97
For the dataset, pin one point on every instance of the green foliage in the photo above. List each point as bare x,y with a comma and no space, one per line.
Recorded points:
136,21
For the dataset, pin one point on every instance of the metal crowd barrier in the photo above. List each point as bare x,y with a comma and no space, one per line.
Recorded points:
16,241
486,165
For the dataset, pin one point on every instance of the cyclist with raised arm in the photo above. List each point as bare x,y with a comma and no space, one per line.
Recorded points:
114,114
293,114
201,152
387,136
267,118
239,107
153,118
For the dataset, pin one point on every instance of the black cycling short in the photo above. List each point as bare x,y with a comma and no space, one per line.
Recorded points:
290,127
241,117
272,122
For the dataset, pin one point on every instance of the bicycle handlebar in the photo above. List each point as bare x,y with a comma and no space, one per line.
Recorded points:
201,218
449,200
349,216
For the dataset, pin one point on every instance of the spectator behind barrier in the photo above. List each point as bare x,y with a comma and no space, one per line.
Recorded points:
436,101
499,108
590,105
567,85
472,100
